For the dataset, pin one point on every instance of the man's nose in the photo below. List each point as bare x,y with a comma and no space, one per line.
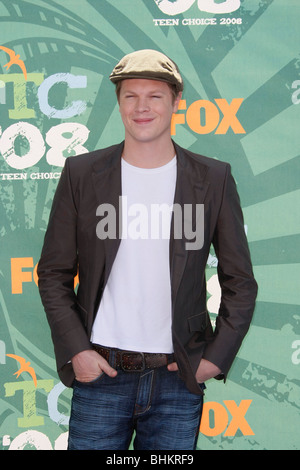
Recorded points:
142,105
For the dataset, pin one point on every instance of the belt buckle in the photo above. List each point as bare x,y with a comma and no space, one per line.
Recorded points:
133,369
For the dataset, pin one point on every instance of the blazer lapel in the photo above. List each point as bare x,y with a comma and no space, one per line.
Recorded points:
106,178
191,189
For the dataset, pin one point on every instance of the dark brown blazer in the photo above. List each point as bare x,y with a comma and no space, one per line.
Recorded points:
71,245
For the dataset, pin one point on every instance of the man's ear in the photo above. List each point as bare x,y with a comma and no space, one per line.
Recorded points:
176,101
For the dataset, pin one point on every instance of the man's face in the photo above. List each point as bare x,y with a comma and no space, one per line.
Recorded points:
146,108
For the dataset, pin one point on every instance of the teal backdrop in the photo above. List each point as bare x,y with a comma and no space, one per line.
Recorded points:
241,104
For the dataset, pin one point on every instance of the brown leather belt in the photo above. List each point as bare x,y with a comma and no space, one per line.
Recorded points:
131,361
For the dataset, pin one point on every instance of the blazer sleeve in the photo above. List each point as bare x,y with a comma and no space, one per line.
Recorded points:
238,286
56,271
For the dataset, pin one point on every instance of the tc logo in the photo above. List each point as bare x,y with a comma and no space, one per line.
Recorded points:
175,7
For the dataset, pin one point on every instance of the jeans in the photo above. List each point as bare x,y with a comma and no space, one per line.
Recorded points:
154,403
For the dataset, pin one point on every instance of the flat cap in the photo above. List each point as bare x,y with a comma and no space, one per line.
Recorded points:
148,64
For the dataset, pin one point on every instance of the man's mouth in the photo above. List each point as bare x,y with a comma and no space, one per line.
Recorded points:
142,121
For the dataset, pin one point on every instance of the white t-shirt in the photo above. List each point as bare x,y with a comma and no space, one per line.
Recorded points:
135,310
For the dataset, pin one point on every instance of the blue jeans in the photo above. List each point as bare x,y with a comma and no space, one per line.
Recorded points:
154,403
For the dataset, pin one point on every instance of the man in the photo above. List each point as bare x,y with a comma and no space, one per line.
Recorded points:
135,342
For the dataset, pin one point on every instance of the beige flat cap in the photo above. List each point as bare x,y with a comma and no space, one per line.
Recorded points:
149,64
